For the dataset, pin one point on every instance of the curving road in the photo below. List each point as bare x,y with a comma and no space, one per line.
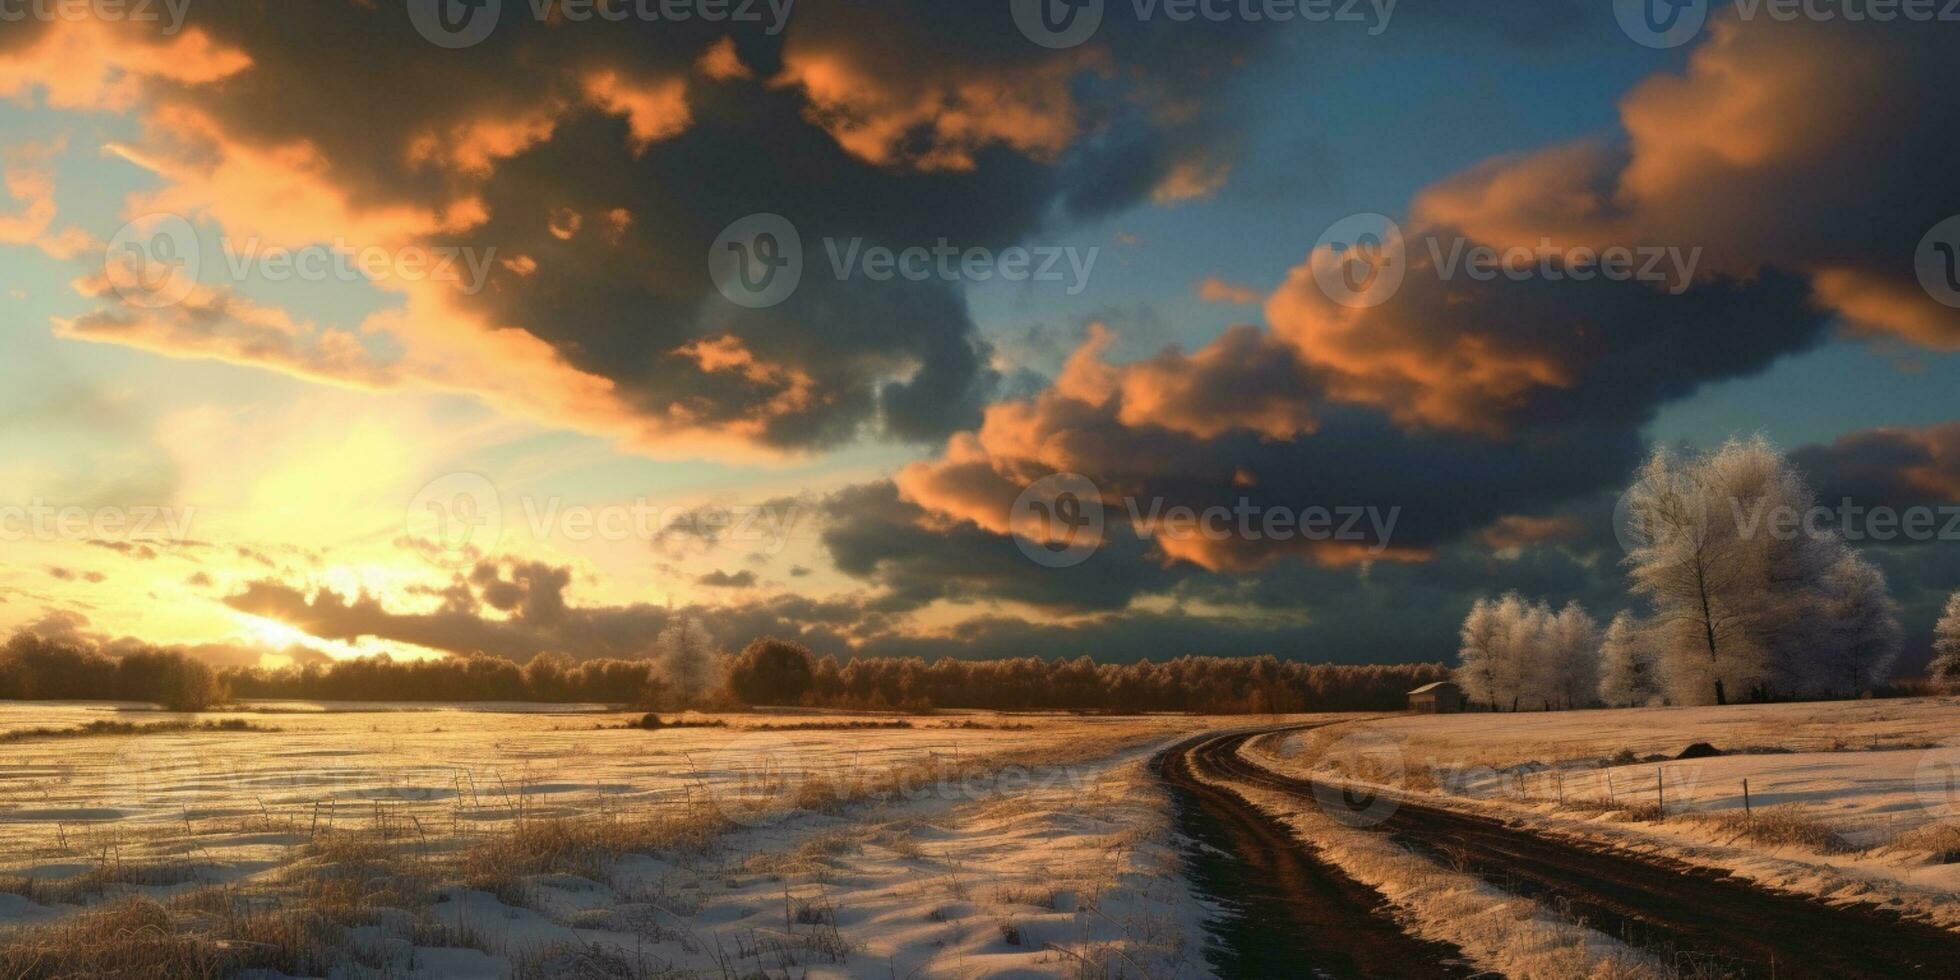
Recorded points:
1705,922
1296,914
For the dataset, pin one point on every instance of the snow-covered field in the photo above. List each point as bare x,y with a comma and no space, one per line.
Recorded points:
1854,800
491,841
527,841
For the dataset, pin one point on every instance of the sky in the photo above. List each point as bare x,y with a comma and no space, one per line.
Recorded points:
349,327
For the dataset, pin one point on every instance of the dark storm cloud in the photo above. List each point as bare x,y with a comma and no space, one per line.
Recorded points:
1893,467
600,160
874,535
533,592
1767,163
1452,406
725,580
1489,407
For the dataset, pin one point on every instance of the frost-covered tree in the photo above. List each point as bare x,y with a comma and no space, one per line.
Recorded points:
1750,597
686,658
1629,665
1518,627
1685,561
1520,654
1862,637
1569,659
1946,646
1477,657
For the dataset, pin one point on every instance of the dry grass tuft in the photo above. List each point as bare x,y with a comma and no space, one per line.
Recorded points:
1779,827
348,877
133,939
587,846
99,881
1029,895
1941,840
140,940
1633,812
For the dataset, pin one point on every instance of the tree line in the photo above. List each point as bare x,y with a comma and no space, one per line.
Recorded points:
36,669
688,673
1212,685
1736,599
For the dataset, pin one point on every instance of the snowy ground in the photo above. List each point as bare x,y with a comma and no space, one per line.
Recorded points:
1071,876
484,841
1499,933
1854,801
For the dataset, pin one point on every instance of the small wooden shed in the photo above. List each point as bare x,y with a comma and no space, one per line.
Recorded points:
1440,698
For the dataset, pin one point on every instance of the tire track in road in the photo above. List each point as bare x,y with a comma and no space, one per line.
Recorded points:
1699,918
1297,914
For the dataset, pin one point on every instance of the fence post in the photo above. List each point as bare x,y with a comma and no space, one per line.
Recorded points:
1747,809
1660,791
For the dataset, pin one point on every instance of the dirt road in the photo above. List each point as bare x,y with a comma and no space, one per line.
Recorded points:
1706,922
1296,915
